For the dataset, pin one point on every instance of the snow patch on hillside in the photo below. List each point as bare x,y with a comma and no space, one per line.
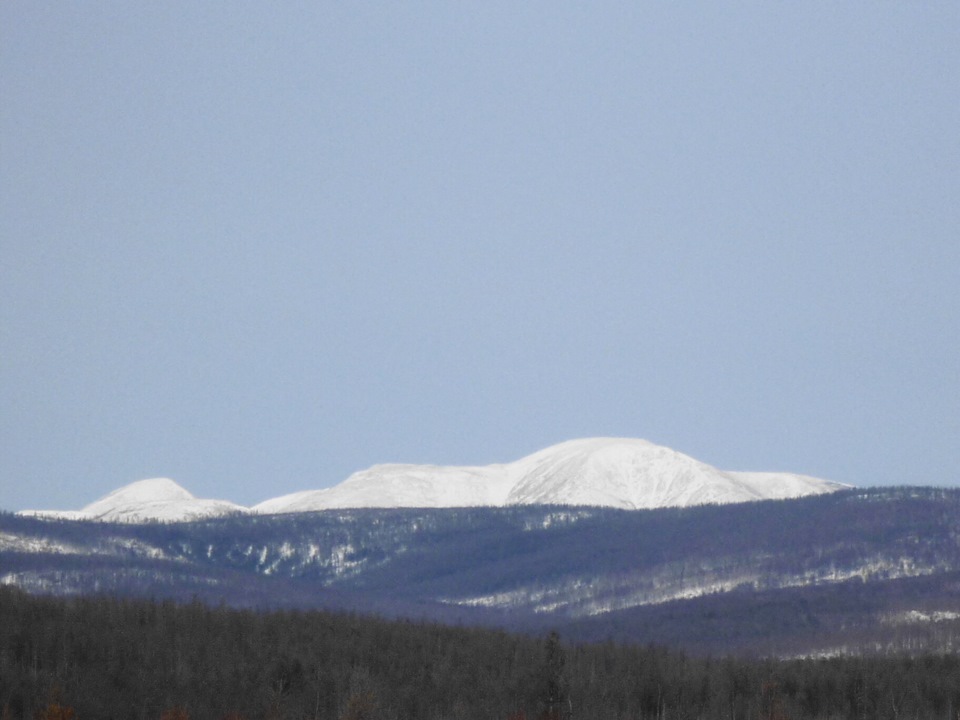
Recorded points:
589,596
912,617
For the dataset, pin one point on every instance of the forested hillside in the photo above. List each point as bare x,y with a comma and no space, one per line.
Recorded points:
101,658
865,571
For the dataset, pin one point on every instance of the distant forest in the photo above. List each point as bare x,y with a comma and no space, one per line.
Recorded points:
103,658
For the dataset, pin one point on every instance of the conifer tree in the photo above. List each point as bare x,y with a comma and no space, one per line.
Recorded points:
555,700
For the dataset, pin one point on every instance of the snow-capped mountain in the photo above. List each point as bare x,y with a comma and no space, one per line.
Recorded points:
633,474
157,499
609,472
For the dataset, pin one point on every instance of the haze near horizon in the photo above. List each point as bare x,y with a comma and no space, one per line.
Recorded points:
255,249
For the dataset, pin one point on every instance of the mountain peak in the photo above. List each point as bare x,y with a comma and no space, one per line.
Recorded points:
152,490
156,499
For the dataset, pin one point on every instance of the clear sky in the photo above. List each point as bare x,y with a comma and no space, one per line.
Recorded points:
255,247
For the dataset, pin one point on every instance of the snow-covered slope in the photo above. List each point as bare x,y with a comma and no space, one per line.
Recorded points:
159,499
612,472
398,485
625,473
786,485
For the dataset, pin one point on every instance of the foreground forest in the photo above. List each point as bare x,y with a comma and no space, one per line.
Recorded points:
86,658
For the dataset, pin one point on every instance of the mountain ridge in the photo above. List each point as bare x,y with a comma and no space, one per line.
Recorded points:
622,473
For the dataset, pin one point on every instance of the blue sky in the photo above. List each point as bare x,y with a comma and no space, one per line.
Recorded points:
255,247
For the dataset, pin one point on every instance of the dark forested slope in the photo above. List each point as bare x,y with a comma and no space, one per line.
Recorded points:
105,658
